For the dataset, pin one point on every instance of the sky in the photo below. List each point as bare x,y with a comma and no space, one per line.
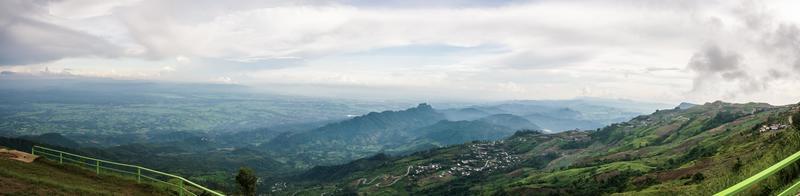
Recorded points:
650,50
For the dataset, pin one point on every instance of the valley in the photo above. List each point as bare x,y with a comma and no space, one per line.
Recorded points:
476,149
399,97
279,149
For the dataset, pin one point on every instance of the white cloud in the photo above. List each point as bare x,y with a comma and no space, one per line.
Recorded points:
28,36
654,50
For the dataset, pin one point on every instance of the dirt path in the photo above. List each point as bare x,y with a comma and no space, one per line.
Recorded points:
17,155
363,181
408,170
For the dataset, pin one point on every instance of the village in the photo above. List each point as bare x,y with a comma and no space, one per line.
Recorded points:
771,127
481,157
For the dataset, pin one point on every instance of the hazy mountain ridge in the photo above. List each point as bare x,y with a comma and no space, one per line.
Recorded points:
445,133
511,121
561,115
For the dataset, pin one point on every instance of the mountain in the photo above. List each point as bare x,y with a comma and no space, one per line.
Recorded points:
511,121
446,133
695,151
685,105
560,115
555,124
357,137
464,114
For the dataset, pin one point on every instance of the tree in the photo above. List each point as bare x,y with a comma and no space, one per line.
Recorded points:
247,181
737,166
796,120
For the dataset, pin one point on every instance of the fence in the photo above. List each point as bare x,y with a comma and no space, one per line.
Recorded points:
749,182
141,173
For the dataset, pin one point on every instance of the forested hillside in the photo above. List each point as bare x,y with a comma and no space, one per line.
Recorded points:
692,151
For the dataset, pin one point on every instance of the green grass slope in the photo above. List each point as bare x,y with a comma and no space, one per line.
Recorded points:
43,177
695,151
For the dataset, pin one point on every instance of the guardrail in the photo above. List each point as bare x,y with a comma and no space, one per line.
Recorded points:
749,182
138,171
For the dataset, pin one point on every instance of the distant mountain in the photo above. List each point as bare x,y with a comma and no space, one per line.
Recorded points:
464,114
511,121
561,115
357,137
455,132
685,105
553,124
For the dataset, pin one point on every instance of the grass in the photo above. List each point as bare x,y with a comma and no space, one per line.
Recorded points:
44,177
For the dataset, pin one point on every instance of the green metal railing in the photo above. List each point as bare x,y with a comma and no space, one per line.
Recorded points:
138,171
749,182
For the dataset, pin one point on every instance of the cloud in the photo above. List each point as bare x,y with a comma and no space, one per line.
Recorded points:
311,31
256,31
751,50
24,39
636,49
713,63
713,60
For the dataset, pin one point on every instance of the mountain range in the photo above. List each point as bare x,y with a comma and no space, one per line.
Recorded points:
695,150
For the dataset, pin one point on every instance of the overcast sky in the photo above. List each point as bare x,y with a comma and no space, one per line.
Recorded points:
664,51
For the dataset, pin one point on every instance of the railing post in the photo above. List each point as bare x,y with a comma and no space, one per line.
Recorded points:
97,166
180,184
60,158
138,175
33,150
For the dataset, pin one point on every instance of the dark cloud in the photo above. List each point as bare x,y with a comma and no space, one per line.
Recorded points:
713,63
712,59
26,40
775,40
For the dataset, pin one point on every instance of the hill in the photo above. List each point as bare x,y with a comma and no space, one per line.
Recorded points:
511,121
693,151
43,177
395,132
357,137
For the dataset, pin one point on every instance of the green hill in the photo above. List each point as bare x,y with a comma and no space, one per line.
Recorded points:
355,138
691,151
43,177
